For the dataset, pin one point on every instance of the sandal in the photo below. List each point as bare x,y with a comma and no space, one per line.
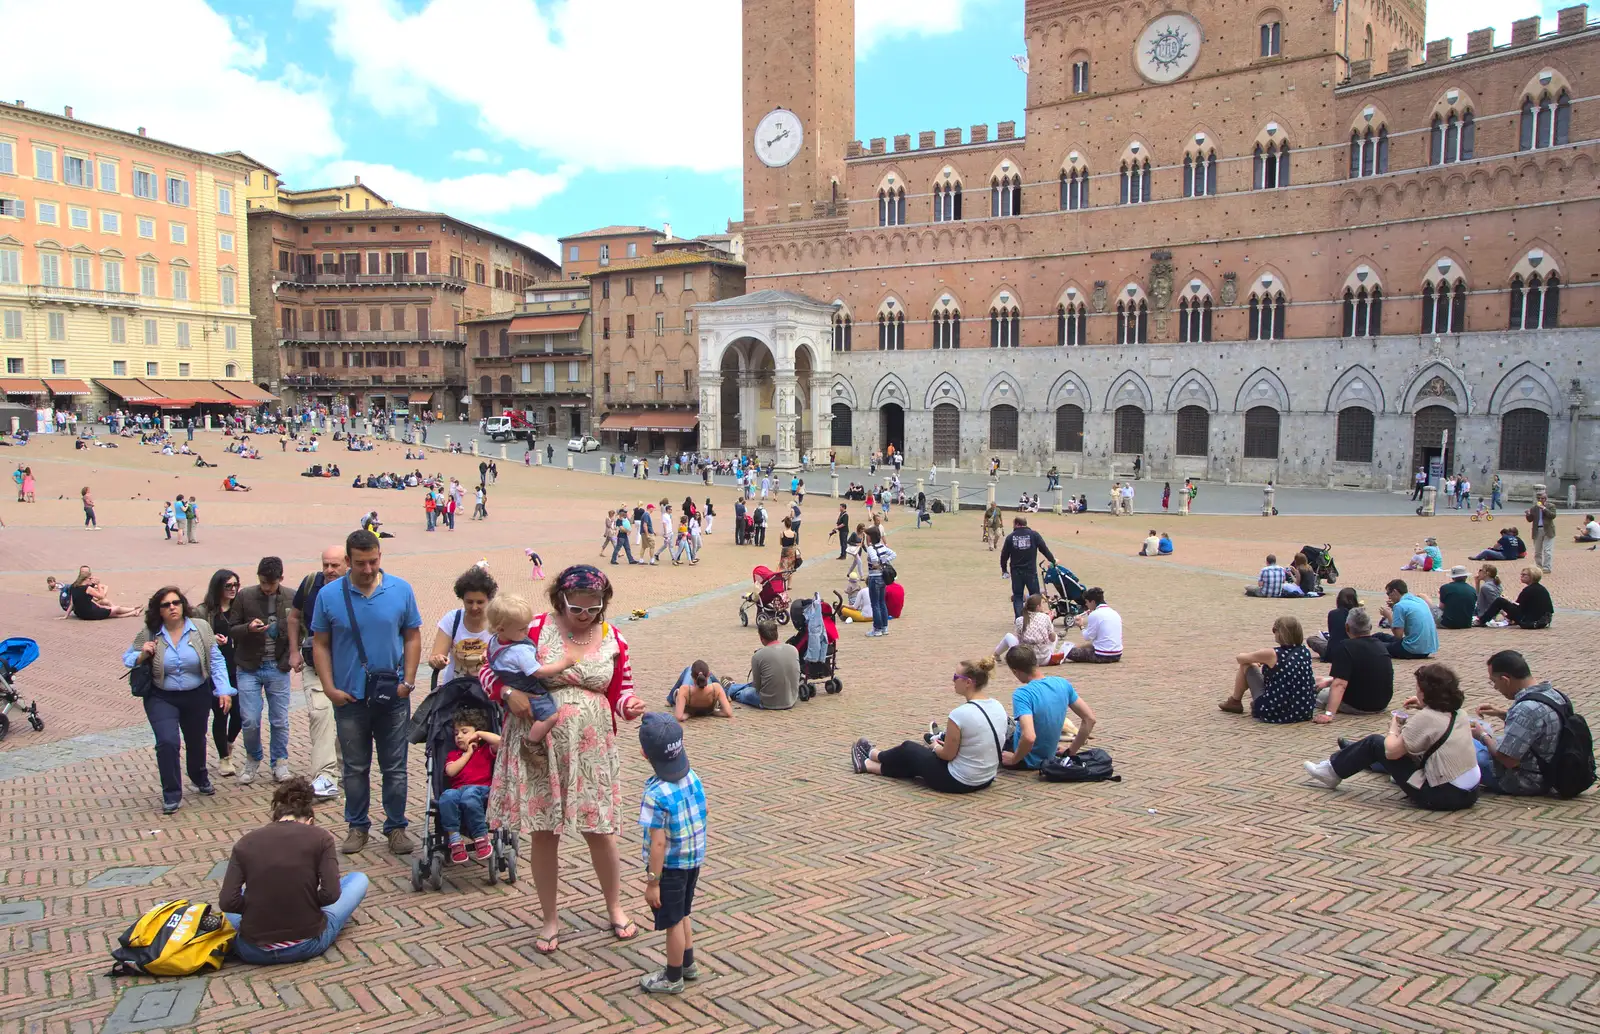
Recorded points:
547,945
624,931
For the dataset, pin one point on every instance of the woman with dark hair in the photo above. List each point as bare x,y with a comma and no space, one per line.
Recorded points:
283,891
788,538
1343,604
574,782
215,611
463,633
184,661
1429,754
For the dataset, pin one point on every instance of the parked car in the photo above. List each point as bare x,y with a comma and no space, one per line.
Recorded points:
584,444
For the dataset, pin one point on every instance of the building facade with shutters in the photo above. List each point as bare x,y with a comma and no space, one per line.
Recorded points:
1236,239
362,311
122,262
536,359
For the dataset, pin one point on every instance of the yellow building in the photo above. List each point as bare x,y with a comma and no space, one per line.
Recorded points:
124,269
263,188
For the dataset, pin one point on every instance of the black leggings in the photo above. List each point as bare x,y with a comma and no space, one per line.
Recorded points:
1515,613
1368,752
913,760
225,727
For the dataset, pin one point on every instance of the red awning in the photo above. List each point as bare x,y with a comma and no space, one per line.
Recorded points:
61,386
247,393
131,390
22,386
650,420
421,397
618,421
555,323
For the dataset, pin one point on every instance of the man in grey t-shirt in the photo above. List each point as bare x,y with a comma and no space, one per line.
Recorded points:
774,673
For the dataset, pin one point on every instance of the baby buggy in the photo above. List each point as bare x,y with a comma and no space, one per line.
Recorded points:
15,654
1321,561
434,726
816,666
1062,591
770,598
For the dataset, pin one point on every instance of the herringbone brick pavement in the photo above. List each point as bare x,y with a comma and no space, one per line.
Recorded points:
1211,890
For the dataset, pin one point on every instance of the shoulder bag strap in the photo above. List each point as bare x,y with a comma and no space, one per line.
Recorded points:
1423,764
993,731
355,629
456,625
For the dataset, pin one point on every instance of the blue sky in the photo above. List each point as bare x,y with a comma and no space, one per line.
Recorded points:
536,118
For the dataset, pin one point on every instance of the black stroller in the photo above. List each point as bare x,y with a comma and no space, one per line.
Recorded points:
1063,592
434,726
825,671
1321,561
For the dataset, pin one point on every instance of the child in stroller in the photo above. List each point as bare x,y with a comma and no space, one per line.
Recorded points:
822,663
1063,592
770,598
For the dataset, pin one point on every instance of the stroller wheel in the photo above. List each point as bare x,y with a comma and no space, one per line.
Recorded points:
781,616
834,686
744,618
5,725
508,859
416,874
37,722
436,872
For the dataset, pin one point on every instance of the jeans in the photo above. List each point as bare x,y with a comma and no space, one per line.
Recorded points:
1486,779
624,545
880,606
1023,578
1368,752
360,729
1397,648
433,519
352,888
1490,554
274,684
174,714
744,693
461,810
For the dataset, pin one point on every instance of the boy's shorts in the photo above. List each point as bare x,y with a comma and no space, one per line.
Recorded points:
544,708
677,896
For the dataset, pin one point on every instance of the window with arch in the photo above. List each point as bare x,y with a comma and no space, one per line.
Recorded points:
947,327
1200,173
1005,326
1074,188
1072,324
1194,431
1369,152
505,341
891,331
1272,165
840,430
1080,76
1127,429
1133,322
1535,302
947,201
1194,318
1363,312
1005,194
1069,428
485,385
1135,181
1353,435
1444,306
841,332
483,344
1003,427
1452,139
230,370
1546,120
1524,440
1267,311
1271,38
1261,433
1366,46
892,206
505,384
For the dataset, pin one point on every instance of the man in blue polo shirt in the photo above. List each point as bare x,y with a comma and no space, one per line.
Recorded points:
1039,707
1415,636
390,626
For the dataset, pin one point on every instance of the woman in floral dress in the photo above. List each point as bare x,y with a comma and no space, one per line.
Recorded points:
571,781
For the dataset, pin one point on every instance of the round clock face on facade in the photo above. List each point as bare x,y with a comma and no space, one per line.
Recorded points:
778,137
1167,48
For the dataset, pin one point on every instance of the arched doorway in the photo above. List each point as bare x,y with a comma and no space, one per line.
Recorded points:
841,429
1429,427
891,427
946,434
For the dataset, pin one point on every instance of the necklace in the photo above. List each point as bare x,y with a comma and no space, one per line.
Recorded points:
585,641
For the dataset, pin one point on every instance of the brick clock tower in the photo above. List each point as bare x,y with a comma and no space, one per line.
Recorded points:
799,106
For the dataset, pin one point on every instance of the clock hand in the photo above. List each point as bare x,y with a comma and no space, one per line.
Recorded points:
775,139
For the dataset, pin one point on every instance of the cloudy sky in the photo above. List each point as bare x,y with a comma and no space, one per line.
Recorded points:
537,118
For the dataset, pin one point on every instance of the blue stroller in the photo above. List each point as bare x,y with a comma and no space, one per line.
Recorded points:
15,654
1063,592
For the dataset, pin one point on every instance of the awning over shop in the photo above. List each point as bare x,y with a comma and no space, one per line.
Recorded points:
244,391
656,420
556,323
21,386
192,393
130,390
421,398
64,386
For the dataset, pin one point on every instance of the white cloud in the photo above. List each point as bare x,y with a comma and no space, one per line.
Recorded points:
480,194
879,20
1456,18
476,155
182,72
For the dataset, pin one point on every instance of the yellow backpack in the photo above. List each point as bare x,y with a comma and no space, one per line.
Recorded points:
174,939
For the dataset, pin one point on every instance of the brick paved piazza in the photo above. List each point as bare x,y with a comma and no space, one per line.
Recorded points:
1212,889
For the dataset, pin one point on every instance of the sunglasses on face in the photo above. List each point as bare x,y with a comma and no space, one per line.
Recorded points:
171,603
958,677
230,585
577,611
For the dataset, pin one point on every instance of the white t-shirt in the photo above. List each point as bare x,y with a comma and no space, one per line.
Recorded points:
448,622
981,722
1592,529
861,600
1103,630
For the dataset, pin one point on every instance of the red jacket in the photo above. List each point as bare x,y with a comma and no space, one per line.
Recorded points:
617,693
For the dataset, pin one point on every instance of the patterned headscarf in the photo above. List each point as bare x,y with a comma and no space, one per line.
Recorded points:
582,578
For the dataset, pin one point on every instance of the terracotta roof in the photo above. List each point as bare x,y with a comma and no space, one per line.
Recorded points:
670,258
337,189
241,156
490,317
408,213
613,231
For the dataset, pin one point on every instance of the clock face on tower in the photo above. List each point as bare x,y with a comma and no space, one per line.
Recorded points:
778,137
1167,48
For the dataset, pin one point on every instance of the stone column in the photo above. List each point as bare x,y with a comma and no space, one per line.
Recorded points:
1569,469
955,497
786,438
711,411
821,419
1060,499
749,408
836,486
991,494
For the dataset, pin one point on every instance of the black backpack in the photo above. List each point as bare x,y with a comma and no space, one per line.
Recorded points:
66,597
1570,770
1086,766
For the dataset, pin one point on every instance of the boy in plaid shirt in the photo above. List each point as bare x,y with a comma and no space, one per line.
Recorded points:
673,817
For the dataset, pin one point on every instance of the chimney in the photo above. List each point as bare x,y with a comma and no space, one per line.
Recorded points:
68,110
141,131
21,103
666,228
358,181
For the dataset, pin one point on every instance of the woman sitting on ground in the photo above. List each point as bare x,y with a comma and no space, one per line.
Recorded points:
1036,630
283,891
1343,604
90,602
1429,754
1282,687
1533,608
1426,557
1306,575
1487,581
965,758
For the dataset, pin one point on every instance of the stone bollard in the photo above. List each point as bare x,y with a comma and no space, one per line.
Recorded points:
991,494
1074,472
1429,497
955,497
1011,468
1060,500
166,423
1330,480
1038,469
16,424
208,421
475,446
502,450
835,486
1572,497
1388,483
919,485
569,461
446,443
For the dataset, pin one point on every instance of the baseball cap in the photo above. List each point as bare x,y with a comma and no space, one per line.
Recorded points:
662,739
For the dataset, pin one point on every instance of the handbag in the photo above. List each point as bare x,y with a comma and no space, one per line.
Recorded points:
382,688
142,678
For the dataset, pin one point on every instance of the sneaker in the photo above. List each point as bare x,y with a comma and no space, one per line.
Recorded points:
247,771
458,852
401,842
206,789
323,788
482,849
354,841
691,972
859,755
657,984
932,733
280,771
1322,771
168,807
225,767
